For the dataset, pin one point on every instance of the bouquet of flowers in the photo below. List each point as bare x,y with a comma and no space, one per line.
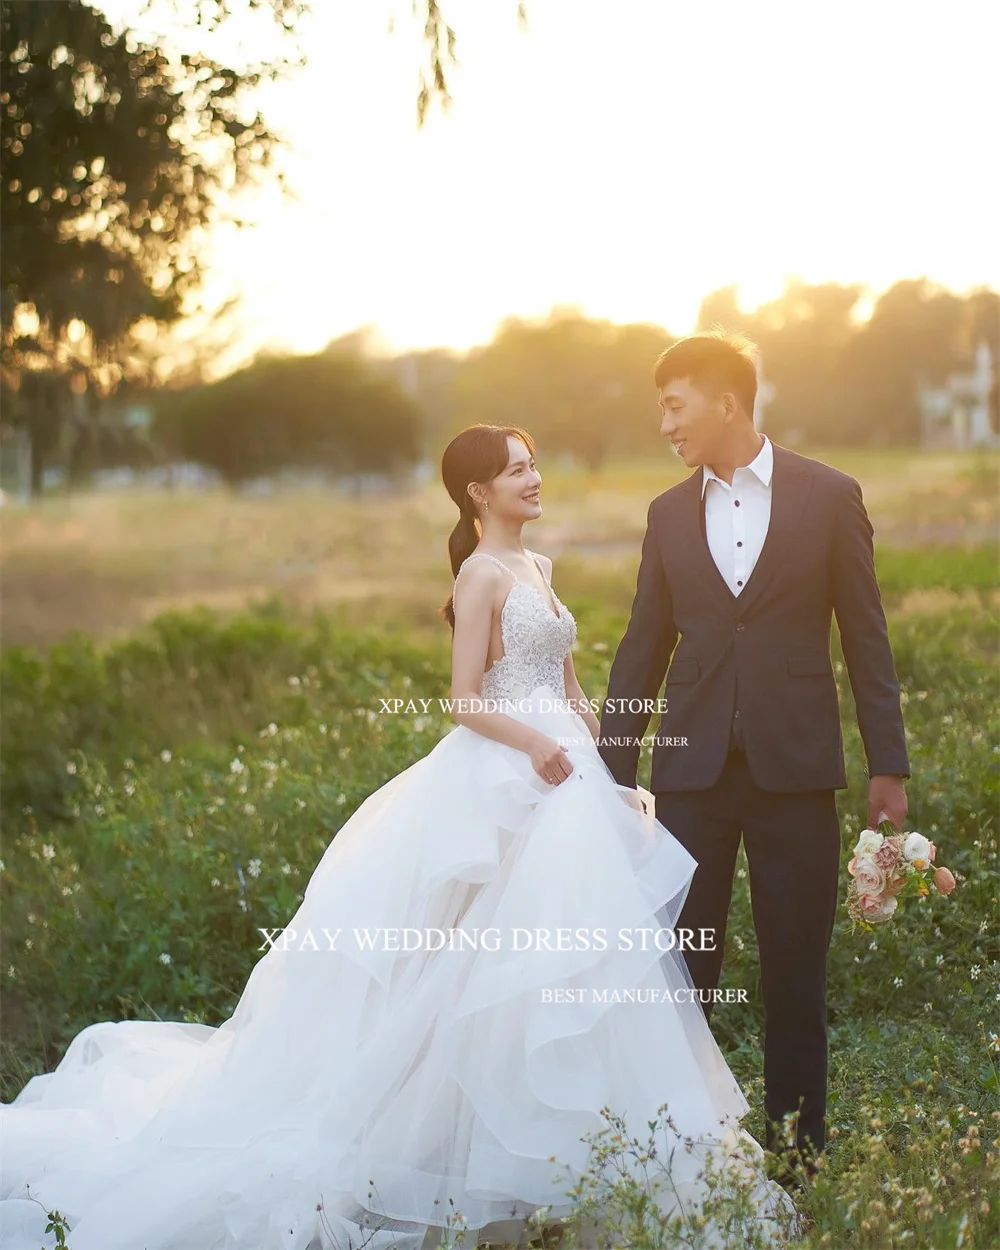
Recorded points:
887,866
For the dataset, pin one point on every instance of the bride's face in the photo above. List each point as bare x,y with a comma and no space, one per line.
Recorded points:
693,421
514,494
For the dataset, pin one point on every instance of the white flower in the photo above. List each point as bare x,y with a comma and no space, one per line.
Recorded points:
215,883
341,800
249,808
928,1006
165,958
236,765
71,767
974,972
869,841
253,868
294,681
243,905
897,981
272,728
917,850
166,757
48,851
300,803
286,868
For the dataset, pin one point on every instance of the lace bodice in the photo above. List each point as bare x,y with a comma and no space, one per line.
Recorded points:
535,640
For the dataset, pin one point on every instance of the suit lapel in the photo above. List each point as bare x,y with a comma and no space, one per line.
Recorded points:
790,485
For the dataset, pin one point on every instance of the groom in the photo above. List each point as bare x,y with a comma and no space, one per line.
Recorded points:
744,562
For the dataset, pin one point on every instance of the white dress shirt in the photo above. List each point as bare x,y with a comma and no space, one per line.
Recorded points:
737,516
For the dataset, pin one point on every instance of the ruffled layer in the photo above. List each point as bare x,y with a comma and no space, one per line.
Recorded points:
449,1078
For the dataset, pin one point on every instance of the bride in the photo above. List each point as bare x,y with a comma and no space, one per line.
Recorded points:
453,1070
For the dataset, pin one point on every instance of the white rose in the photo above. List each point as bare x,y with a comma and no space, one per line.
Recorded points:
868,842
917,850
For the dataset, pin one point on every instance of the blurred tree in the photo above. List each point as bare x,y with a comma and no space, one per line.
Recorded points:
328,410
582,387
116,156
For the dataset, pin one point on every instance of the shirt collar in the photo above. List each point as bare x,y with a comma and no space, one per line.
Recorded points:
761,466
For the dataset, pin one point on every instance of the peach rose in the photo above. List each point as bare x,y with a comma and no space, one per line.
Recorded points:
852,865
869,878
944,882
933,851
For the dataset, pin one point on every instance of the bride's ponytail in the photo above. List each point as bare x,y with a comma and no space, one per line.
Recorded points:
478,454
462,542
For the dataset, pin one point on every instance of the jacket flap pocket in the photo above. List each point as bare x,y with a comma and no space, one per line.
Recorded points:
686,669
803,663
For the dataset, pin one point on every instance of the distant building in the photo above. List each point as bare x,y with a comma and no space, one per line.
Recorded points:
956,416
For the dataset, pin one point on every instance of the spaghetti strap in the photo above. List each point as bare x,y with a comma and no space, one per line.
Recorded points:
545,578
485,555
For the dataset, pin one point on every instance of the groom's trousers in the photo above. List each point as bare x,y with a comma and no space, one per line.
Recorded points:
792,843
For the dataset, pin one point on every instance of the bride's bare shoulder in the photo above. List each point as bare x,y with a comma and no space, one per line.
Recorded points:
479,577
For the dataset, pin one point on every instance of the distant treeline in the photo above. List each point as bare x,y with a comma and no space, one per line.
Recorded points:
583,387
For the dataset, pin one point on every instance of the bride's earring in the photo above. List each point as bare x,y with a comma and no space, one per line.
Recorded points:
486,505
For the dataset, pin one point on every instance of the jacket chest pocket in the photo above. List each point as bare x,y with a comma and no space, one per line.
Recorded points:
685,669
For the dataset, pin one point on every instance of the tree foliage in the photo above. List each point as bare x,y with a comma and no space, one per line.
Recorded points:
327,411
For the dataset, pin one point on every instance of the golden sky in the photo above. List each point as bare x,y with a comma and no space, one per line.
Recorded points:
625,156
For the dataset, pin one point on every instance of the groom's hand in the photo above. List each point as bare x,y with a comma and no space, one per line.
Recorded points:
886,793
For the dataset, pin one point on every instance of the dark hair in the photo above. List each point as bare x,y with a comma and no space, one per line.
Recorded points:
478,454
726,362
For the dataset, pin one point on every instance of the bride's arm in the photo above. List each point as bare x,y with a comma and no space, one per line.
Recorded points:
475,599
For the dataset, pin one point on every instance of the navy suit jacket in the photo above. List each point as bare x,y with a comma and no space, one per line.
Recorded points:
760,660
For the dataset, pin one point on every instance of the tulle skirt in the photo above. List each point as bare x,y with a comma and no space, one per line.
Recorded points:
429,1041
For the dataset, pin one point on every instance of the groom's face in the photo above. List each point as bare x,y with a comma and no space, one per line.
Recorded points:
693,420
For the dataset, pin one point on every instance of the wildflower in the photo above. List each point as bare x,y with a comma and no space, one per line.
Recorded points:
294,681
300,803
897,981
215,883
71,767
165,958
249,808
341,800
166,757
236,765
48,851
974,972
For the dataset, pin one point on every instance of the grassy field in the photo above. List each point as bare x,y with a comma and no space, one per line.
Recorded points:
127,835
108,563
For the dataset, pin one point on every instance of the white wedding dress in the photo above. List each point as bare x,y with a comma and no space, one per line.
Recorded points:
436,1074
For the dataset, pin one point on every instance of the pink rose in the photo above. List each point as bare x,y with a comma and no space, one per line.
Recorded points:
887,855
868,876
852,865
874,908
944,882
933,851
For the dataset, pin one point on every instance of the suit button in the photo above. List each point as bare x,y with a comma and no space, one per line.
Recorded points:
739,627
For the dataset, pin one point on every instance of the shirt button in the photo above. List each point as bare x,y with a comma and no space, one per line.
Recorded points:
736,502
739,542
739,627
740,582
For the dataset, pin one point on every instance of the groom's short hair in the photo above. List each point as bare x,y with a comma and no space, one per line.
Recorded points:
715,361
